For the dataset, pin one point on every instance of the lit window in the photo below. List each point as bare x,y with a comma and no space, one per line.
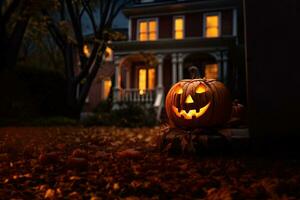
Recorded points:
146,80
212,26
147,30
142,80
211,71
86,50
178,28
143,31
151,79
108,54
107,86
152,30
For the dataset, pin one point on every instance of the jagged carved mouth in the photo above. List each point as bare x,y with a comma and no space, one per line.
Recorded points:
192,113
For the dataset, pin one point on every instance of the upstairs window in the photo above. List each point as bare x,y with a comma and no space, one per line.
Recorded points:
147,30
178,28
212,25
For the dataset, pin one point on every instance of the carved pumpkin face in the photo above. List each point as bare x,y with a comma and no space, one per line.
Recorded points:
195,103
193,107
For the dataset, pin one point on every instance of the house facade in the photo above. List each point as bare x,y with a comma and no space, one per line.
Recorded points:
167,38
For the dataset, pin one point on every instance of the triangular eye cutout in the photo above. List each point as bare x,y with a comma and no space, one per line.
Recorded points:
201,89
178,90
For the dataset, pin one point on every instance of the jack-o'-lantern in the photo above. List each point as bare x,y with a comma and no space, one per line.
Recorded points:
195,103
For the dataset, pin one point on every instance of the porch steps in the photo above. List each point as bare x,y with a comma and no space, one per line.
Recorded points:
228,140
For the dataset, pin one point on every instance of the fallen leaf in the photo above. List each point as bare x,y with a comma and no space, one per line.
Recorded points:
129,153
50,194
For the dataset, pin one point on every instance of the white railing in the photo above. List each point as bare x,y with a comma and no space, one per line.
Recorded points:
136,95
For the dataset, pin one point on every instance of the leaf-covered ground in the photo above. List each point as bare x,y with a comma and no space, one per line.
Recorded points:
119,163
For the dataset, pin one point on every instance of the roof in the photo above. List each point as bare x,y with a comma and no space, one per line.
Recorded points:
168,6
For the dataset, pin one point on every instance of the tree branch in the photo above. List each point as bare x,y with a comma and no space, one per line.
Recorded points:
9,11
86,7
76,24
55,32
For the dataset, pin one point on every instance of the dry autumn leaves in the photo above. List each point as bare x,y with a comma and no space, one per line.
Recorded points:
120,163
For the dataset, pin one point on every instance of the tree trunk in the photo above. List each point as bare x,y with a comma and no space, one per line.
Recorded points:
11,45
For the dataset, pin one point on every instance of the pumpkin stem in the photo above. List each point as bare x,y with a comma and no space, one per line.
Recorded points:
194,72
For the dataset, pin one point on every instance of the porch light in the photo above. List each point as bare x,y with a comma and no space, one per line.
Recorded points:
86,50
142,92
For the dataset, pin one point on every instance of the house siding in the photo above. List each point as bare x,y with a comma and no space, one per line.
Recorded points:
165,27
133,29
167,70
227,22
194,24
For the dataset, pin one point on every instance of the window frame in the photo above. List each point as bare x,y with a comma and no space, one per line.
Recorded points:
147,20
219,23
183,27
147,76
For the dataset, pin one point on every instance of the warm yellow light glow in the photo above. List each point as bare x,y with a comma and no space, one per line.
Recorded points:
212,26
211,71
143,27
107,86
143,31
152,30
178,28
147,30
200,89
179,90
192,113
142,80
86,50
151,78
189,99
152,26
108,54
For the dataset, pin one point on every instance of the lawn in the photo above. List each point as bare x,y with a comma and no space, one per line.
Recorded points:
121,163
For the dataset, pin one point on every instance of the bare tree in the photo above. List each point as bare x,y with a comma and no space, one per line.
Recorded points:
14,19
71,41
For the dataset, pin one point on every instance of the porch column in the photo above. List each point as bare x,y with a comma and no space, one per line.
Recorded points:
174,68
220,70
117,87
180,66
217,55
160,72
225,68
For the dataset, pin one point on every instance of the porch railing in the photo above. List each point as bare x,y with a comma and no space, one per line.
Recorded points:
136,95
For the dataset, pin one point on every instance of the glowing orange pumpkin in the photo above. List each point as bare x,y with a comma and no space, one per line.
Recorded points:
194,103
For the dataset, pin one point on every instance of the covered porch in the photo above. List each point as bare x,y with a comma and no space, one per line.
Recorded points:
139,79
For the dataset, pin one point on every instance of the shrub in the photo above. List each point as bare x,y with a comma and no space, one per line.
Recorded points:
133,115
49,121
127,115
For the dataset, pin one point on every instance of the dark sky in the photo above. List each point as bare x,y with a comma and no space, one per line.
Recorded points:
120,22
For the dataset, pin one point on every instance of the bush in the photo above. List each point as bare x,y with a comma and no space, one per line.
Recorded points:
133,115
50,121
128,115
47,87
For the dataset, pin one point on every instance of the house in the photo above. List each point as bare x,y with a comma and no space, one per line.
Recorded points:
166,38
